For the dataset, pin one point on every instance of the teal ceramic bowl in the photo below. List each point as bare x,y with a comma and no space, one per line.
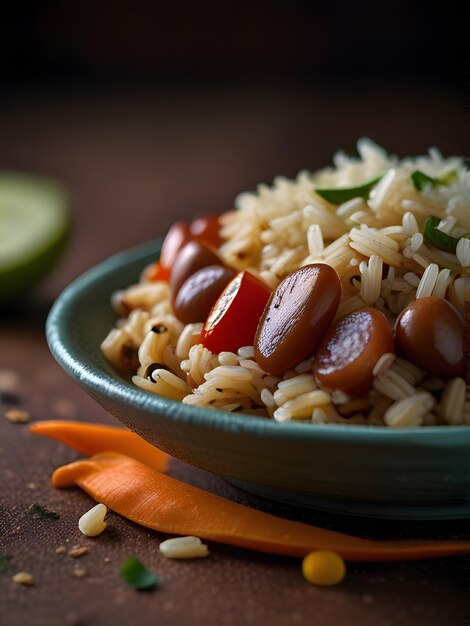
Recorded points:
404,474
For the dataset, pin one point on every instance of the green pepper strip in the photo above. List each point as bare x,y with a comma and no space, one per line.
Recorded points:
420,179
342,194
441,240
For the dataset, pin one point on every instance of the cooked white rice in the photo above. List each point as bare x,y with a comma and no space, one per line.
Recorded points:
278,229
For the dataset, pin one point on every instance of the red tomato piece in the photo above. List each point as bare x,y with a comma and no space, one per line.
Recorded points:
158,272
206,229
233,320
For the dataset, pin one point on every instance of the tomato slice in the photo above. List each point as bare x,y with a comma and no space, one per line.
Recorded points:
233,320
158,272
206,229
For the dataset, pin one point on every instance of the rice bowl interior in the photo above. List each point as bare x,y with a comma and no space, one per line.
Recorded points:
385,226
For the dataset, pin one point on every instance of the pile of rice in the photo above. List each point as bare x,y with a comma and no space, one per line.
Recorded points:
281,228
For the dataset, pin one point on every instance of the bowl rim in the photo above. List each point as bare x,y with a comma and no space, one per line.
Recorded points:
69,359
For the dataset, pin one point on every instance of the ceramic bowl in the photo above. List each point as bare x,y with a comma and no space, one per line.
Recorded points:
404,474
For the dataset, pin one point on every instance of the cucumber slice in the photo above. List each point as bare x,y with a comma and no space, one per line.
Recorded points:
34,222
342,194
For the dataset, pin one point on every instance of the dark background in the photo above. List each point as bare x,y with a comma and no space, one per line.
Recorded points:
154,111
183,43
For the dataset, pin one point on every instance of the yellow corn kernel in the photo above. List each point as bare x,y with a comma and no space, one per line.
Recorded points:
323,568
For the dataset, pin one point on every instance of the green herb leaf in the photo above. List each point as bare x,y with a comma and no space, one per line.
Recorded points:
3,562
40,511
420,179
342,194
441,240
136,575
448,179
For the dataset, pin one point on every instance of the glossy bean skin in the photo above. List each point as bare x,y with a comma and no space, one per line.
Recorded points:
203,229
199,292
349,351
191,258
296,317
430,333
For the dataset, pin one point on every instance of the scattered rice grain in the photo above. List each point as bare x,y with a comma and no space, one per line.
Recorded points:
23,578
183,548
80,572
17,416
78,551
92,522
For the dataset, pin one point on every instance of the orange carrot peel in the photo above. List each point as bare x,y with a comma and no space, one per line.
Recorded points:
157,501
90,439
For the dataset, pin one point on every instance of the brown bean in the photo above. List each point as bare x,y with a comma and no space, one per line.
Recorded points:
430,333
296,317
349,351
199,292
191,258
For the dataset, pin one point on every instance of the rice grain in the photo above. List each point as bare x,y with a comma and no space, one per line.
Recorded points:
428,281
452,404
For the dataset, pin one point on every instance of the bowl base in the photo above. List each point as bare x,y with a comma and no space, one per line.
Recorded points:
358,509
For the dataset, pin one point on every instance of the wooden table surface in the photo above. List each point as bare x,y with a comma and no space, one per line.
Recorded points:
133,163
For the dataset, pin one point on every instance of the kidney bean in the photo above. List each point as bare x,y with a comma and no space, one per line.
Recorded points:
349,351
430,333
193,257
199,292
296,317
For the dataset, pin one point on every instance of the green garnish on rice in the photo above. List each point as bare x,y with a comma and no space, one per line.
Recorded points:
420,179
437,237
343,194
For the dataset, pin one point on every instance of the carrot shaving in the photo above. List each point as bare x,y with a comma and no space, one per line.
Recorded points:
165,504
90,439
